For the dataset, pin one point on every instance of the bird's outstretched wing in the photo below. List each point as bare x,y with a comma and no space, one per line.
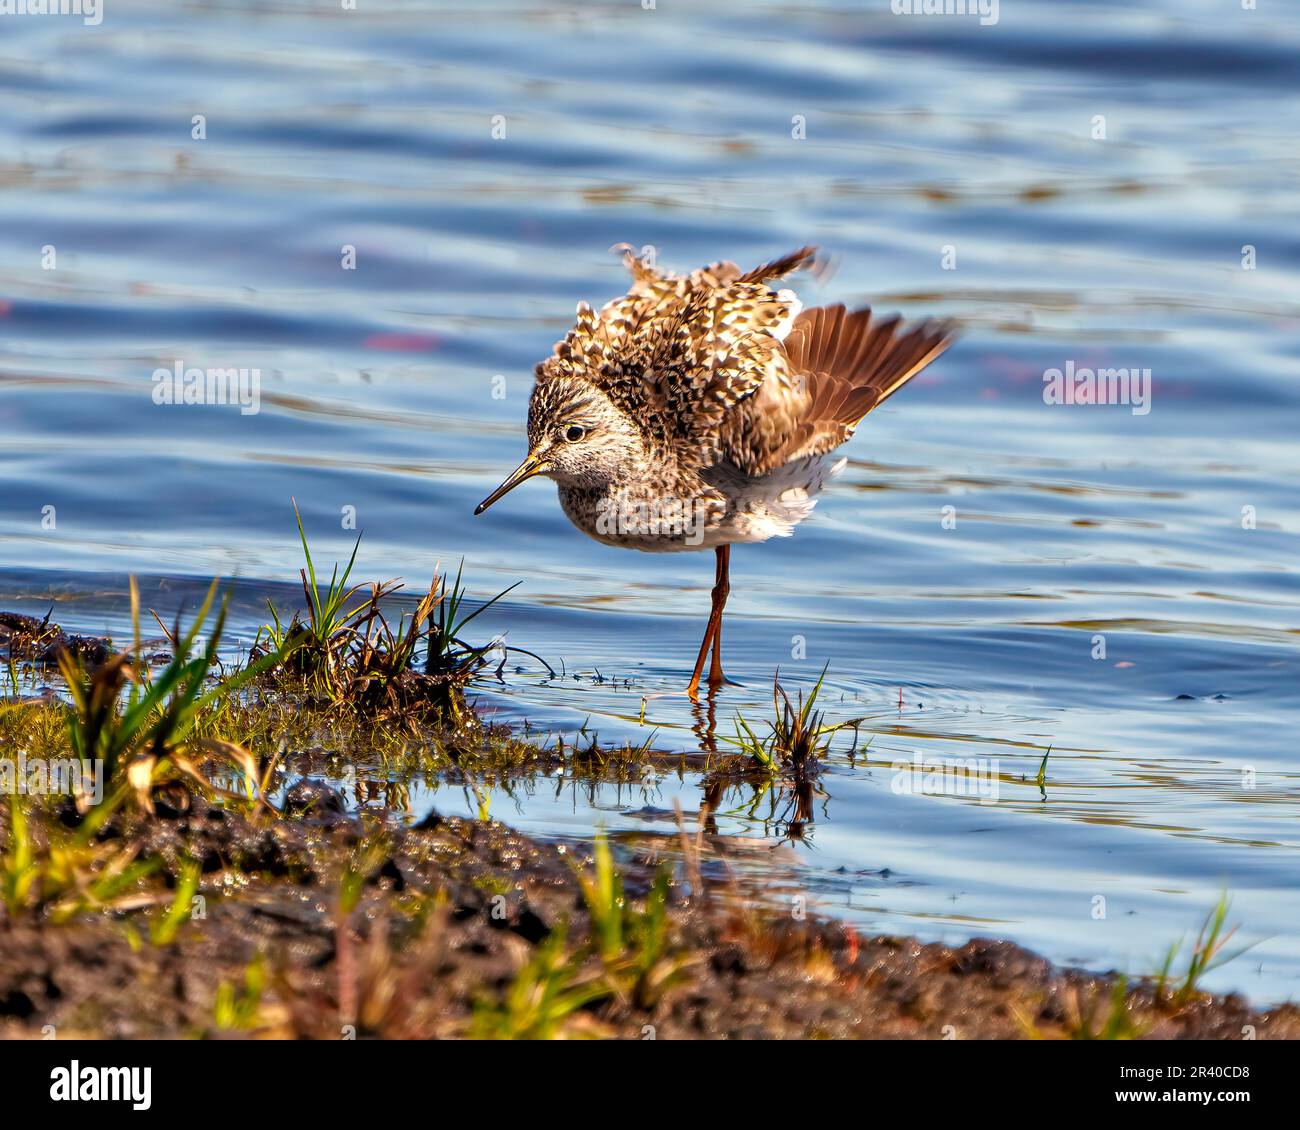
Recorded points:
677,353
839,365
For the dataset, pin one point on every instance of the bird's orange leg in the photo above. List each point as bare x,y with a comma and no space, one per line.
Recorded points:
713,632
721,590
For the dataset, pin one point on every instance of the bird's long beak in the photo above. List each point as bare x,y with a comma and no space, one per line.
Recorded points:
533,465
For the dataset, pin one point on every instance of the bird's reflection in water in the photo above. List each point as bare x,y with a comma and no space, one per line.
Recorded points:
392,796
704,722
789,812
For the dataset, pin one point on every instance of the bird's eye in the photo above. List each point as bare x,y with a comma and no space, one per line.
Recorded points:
574,432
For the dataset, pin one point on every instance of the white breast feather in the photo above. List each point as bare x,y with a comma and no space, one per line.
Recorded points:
772,506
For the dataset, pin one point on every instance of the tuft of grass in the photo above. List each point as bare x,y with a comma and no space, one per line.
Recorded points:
633,961
40,728
163,931
449,622
136,738
798,737
1208,952
349,653
235,1010
327,616
1083,1022
19,872
632,944
71,875
544,1000
1118,1023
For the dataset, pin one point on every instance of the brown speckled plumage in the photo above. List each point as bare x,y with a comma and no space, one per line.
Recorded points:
676,353
713,394
722,379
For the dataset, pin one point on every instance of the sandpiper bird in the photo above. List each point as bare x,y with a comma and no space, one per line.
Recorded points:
698,411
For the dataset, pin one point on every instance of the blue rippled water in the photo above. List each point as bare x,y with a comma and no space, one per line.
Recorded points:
949,168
